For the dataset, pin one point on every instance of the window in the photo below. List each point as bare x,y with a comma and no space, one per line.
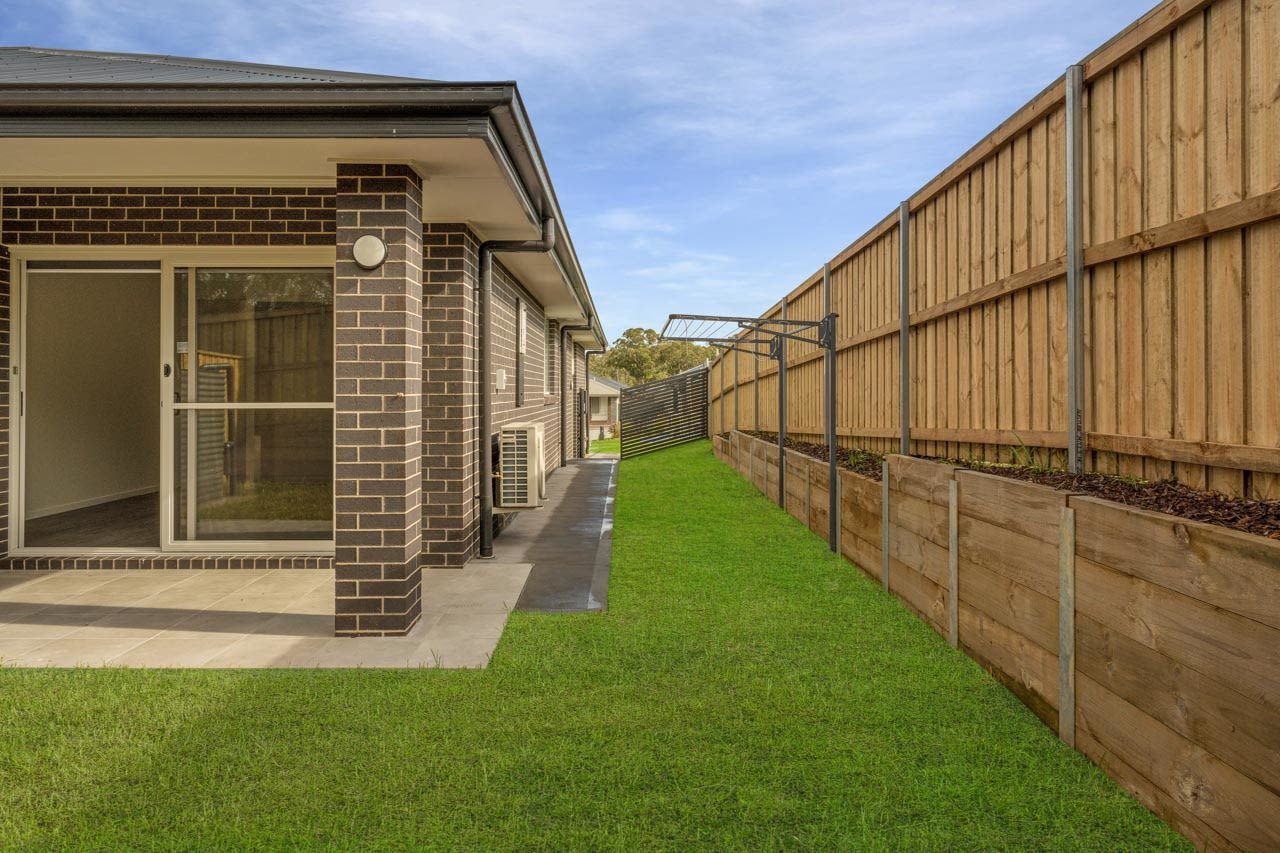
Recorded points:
522,324
549,360
253,437
599,408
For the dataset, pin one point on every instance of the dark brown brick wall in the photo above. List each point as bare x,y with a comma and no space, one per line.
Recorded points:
450,436
256,216
449,451
167,216
378,404
538,407
576,442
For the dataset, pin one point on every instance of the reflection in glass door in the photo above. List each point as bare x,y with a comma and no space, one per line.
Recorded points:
253,405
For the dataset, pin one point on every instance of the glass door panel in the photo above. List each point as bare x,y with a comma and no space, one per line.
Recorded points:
253,436
90,438
266,336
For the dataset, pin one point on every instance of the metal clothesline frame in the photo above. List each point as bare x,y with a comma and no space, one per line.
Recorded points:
768,336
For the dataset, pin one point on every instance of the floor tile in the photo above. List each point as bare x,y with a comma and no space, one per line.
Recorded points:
260,652
78,652
12,649
165,651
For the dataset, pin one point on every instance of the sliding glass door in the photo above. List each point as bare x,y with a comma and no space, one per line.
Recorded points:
252,422
88,446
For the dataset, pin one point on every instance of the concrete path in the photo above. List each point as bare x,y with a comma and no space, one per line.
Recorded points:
568,540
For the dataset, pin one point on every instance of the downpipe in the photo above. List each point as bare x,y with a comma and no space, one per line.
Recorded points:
586,410
487,250
566,391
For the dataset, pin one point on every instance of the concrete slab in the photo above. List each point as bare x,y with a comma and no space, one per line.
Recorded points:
84,651
254,619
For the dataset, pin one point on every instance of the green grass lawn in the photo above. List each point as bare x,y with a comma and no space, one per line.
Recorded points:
606,445
746,690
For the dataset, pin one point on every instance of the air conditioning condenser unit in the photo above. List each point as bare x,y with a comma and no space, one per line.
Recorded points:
522,473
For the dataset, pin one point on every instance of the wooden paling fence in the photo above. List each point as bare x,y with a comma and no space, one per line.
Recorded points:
663,414
1149,643
1178,173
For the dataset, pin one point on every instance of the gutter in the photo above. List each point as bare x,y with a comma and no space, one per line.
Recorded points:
393,109
512,123
485,351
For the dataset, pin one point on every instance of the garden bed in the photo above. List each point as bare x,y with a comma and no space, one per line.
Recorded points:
862,462
1261,518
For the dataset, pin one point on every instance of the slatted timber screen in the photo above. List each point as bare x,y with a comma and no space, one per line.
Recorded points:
1181,165
664,413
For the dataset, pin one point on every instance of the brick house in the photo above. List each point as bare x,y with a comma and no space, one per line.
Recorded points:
257,316
604,394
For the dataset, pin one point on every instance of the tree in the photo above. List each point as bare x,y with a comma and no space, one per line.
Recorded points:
639,356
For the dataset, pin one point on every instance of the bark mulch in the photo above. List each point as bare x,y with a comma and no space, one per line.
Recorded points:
1258,517
1167,496
862,462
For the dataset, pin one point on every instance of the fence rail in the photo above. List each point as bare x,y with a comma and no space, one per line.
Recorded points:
1180,328
664,413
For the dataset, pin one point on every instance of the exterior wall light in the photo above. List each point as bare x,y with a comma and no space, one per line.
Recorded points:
369,251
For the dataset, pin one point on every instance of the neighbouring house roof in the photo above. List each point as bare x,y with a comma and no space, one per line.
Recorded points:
120,117
40,65
603,386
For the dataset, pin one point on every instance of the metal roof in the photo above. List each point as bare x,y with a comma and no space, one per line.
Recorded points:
39,66
77,93
605,386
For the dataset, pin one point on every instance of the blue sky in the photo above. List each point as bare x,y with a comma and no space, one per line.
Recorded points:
708,154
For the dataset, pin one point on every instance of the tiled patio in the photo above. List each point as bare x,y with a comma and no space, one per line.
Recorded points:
241,618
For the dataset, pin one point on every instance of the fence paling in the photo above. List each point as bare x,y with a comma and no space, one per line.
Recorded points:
1177,181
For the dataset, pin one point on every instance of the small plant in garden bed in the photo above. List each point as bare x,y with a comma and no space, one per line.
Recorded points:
1167,496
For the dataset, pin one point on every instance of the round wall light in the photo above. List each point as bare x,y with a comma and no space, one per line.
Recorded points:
369,251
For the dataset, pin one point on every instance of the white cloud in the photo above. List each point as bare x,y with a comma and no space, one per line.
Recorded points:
629,220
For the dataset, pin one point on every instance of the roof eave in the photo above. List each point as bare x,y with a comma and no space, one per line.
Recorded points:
412,109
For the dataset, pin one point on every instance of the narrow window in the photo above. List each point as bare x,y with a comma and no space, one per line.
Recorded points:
549,360
522,323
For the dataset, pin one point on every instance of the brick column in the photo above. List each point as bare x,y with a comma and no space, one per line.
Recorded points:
450,515
378,404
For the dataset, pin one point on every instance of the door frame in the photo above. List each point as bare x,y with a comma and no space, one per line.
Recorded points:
170,258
